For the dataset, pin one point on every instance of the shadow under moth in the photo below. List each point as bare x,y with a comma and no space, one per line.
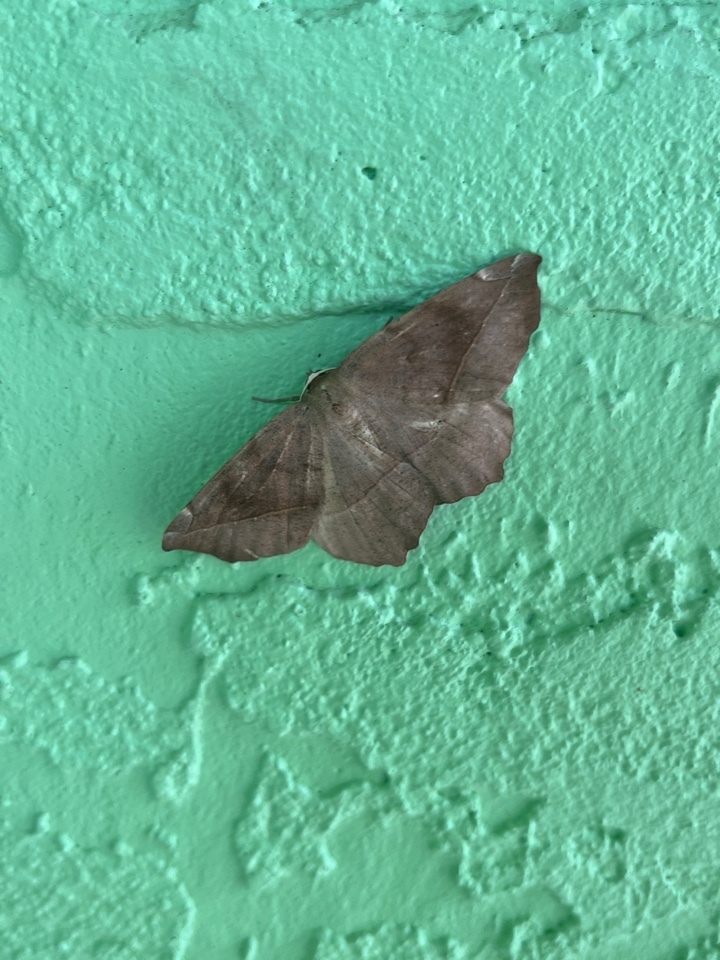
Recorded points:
412,418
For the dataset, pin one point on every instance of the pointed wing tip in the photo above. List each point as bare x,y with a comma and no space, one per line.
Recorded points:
172,541
174,535
368,559
511,266
526,262
390,563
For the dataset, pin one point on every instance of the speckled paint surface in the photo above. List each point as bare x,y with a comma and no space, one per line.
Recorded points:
508,748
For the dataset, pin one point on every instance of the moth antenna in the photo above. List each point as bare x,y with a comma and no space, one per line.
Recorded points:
276,399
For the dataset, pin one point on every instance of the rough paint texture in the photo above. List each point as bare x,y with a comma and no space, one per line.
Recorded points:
506,749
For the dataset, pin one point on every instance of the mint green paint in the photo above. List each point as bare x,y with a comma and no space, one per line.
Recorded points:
506,749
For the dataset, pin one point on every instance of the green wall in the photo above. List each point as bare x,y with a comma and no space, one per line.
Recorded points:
507,749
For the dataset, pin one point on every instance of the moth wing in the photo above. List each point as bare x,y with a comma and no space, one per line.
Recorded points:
419,421
376,506
459,448
263,502
463,344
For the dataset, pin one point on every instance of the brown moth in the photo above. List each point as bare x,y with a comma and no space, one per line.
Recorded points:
412,418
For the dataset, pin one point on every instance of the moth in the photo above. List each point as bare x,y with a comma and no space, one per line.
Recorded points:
412,418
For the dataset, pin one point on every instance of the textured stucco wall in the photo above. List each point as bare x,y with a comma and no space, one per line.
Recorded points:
508,748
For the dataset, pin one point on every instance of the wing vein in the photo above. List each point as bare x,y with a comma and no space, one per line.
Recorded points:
461,365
